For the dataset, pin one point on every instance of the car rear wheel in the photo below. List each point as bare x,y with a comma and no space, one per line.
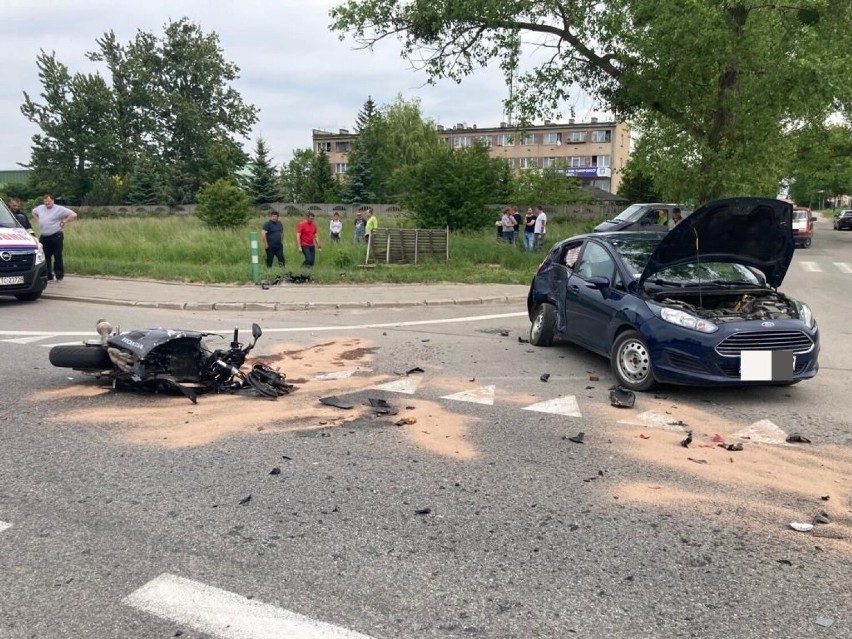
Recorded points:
631,362
806,243
543,325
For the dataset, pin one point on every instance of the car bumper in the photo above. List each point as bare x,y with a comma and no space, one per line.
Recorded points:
687,358
35,281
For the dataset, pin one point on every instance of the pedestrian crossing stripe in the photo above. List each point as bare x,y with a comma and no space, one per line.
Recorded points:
763,431
29,339
811,267
337,374
408,386
566,405
844,267
481,395
655,419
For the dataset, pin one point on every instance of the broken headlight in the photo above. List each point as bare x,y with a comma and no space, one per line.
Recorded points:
682,318
805,314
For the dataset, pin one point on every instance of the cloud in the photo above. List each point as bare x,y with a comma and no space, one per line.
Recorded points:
298,73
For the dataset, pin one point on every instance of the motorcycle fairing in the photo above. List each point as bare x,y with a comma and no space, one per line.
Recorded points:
142,342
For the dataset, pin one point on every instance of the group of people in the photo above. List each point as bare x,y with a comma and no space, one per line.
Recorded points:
307,235
534,222
52,219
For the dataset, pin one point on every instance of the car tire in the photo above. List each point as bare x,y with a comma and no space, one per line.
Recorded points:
631,362
806,243
28,297
80,357
543,325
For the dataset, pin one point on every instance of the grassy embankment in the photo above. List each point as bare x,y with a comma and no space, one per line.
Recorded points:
181,248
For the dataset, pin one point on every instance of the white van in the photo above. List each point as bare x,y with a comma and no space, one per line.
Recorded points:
23,272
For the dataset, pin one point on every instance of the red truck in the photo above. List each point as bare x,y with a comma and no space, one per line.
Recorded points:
803,226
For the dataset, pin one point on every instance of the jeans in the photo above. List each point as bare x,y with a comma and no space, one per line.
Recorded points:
310,253
529,240
272,253
53,254
509,236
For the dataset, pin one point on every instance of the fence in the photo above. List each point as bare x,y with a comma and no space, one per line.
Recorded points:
408,246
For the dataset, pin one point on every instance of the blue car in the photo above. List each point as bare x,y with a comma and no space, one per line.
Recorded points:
697,305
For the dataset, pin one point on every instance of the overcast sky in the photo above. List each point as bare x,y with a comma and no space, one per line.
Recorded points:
297,72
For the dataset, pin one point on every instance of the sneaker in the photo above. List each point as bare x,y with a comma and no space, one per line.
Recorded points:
49,276
59,279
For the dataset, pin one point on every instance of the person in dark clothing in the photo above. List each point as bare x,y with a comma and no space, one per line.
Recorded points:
529,229
15,208
273,239
516,215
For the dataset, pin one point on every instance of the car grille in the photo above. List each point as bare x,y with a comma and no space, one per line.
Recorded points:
795,341
19,262
731,368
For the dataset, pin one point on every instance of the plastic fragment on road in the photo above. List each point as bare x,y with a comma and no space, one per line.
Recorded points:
697,461
824,622
644,436
544,377
801,526
718,438
594,378
622,398
732,447
796,438
336,402
416,369
687,441
577,439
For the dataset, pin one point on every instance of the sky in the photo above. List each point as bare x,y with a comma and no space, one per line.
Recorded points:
292,67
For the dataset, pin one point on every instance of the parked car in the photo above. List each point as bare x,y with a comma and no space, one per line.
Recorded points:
843,220
680,306
638,217
23,271
803,227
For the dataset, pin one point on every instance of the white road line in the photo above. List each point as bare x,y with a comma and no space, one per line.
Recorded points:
656,420
51,345
408,386
227,615
4,526
337,374
843,266
811,267
566,405
481,395
28,340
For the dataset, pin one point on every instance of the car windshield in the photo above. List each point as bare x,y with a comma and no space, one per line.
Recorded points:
632,213
636,253
800,215
7,220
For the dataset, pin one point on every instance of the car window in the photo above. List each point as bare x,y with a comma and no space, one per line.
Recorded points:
632,213
635,253
707,273
595,262
569,254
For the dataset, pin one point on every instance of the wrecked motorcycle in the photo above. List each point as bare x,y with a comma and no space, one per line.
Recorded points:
162,359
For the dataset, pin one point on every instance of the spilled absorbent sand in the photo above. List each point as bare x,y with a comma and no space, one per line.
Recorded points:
329,368
762,488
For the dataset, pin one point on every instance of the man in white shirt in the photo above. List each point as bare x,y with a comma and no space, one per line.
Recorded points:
540,228
52,220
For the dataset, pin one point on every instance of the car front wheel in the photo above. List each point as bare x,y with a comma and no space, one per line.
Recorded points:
543,325
631,362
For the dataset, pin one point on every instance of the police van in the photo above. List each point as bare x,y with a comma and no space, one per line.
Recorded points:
23,272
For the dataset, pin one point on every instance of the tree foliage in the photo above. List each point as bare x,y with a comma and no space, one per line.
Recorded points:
822,162
321,185
548,185
295,175
263,178
223,204
717,84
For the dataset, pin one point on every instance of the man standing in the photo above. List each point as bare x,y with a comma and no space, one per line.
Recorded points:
372,224
529,229
677,216
360,226
508,223
52,220
307,240
273,239
15,208
540,228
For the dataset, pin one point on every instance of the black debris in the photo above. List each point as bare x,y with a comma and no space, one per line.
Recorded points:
825,497
822,517
578,438
245,500
287,458
622,398
381,407
697,461
521,340
423,511
796,438
544,377
732,447
416,369
472,379
504,333
679,422
786,562
686,442
589,387
335,401
178,633
275,471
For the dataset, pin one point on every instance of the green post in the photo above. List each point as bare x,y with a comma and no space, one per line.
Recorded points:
255,265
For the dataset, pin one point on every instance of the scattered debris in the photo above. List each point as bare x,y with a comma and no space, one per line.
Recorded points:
825,497
732,447
521,340
594,378
472,379
416,369
423,511
284,457
381,406
622,398
686,442
786,562
660,397
405,421
591,478
504,333
801,526
644,436
245,500
655,487
289,278
334,400
796,438
578,438
544,377
697,461
679,422
275,471
590,387
718,438
824,622
822,518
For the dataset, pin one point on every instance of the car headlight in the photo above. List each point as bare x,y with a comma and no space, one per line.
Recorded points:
39,255
805,314
682,318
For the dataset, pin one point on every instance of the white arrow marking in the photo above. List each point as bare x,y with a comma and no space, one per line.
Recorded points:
843,266
560,406
227,615
4,526
481,395
338,374
408,386
811,267
655,419
764,431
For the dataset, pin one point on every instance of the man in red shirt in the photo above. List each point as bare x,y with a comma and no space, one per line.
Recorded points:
307,240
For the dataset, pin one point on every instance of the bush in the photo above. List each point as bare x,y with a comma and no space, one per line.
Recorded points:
223,204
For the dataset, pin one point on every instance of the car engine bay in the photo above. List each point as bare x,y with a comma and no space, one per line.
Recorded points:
730,307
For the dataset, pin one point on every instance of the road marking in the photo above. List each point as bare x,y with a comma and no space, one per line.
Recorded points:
566,405
481,395
4,526
763,431
30,339
408,386
655,420
337,374
811,267
843,266
227,615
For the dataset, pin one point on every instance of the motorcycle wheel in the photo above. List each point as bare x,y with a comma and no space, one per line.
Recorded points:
80,357
268,382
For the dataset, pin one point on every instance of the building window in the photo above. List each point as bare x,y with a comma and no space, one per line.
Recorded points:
461,142
575,137
324,146
576,161
504,139
529,163
528,139
600,160
602,136
510,162
484,140
552,138
340,167
341,147
549,162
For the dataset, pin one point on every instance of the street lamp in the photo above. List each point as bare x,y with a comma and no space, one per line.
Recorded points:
821,193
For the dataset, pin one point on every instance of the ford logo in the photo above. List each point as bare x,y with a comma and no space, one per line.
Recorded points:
767,324
5,256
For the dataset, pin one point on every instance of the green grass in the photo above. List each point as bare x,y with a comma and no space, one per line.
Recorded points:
181,248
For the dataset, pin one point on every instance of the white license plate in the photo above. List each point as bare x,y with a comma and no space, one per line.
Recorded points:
11,280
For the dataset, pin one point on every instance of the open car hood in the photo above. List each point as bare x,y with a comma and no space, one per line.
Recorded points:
756,232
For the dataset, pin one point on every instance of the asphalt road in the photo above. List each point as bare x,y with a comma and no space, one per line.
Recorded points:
120,514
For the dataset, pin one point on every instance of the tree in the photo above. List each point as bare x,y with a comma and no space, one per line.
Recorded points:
145,183
717,83
366,115
453,187
358,187
320,185
223,204
263,179
295,175
549,185
822,162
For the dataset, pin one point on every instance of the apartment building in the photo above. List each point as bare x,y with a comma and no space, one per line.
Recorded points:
594,152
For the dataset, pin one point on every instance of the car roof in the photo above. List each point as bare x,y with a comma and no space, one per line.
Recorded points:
610,236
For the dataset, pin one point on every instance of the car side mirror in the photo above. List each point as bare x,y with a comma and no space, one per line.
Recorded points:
598,282
813,219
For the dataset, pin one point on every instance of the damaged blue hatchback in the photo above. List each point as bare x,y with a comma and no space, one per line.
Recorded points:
685,307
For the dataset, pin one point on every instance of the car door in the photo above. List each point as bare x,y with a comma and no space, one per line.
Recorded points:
593,308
